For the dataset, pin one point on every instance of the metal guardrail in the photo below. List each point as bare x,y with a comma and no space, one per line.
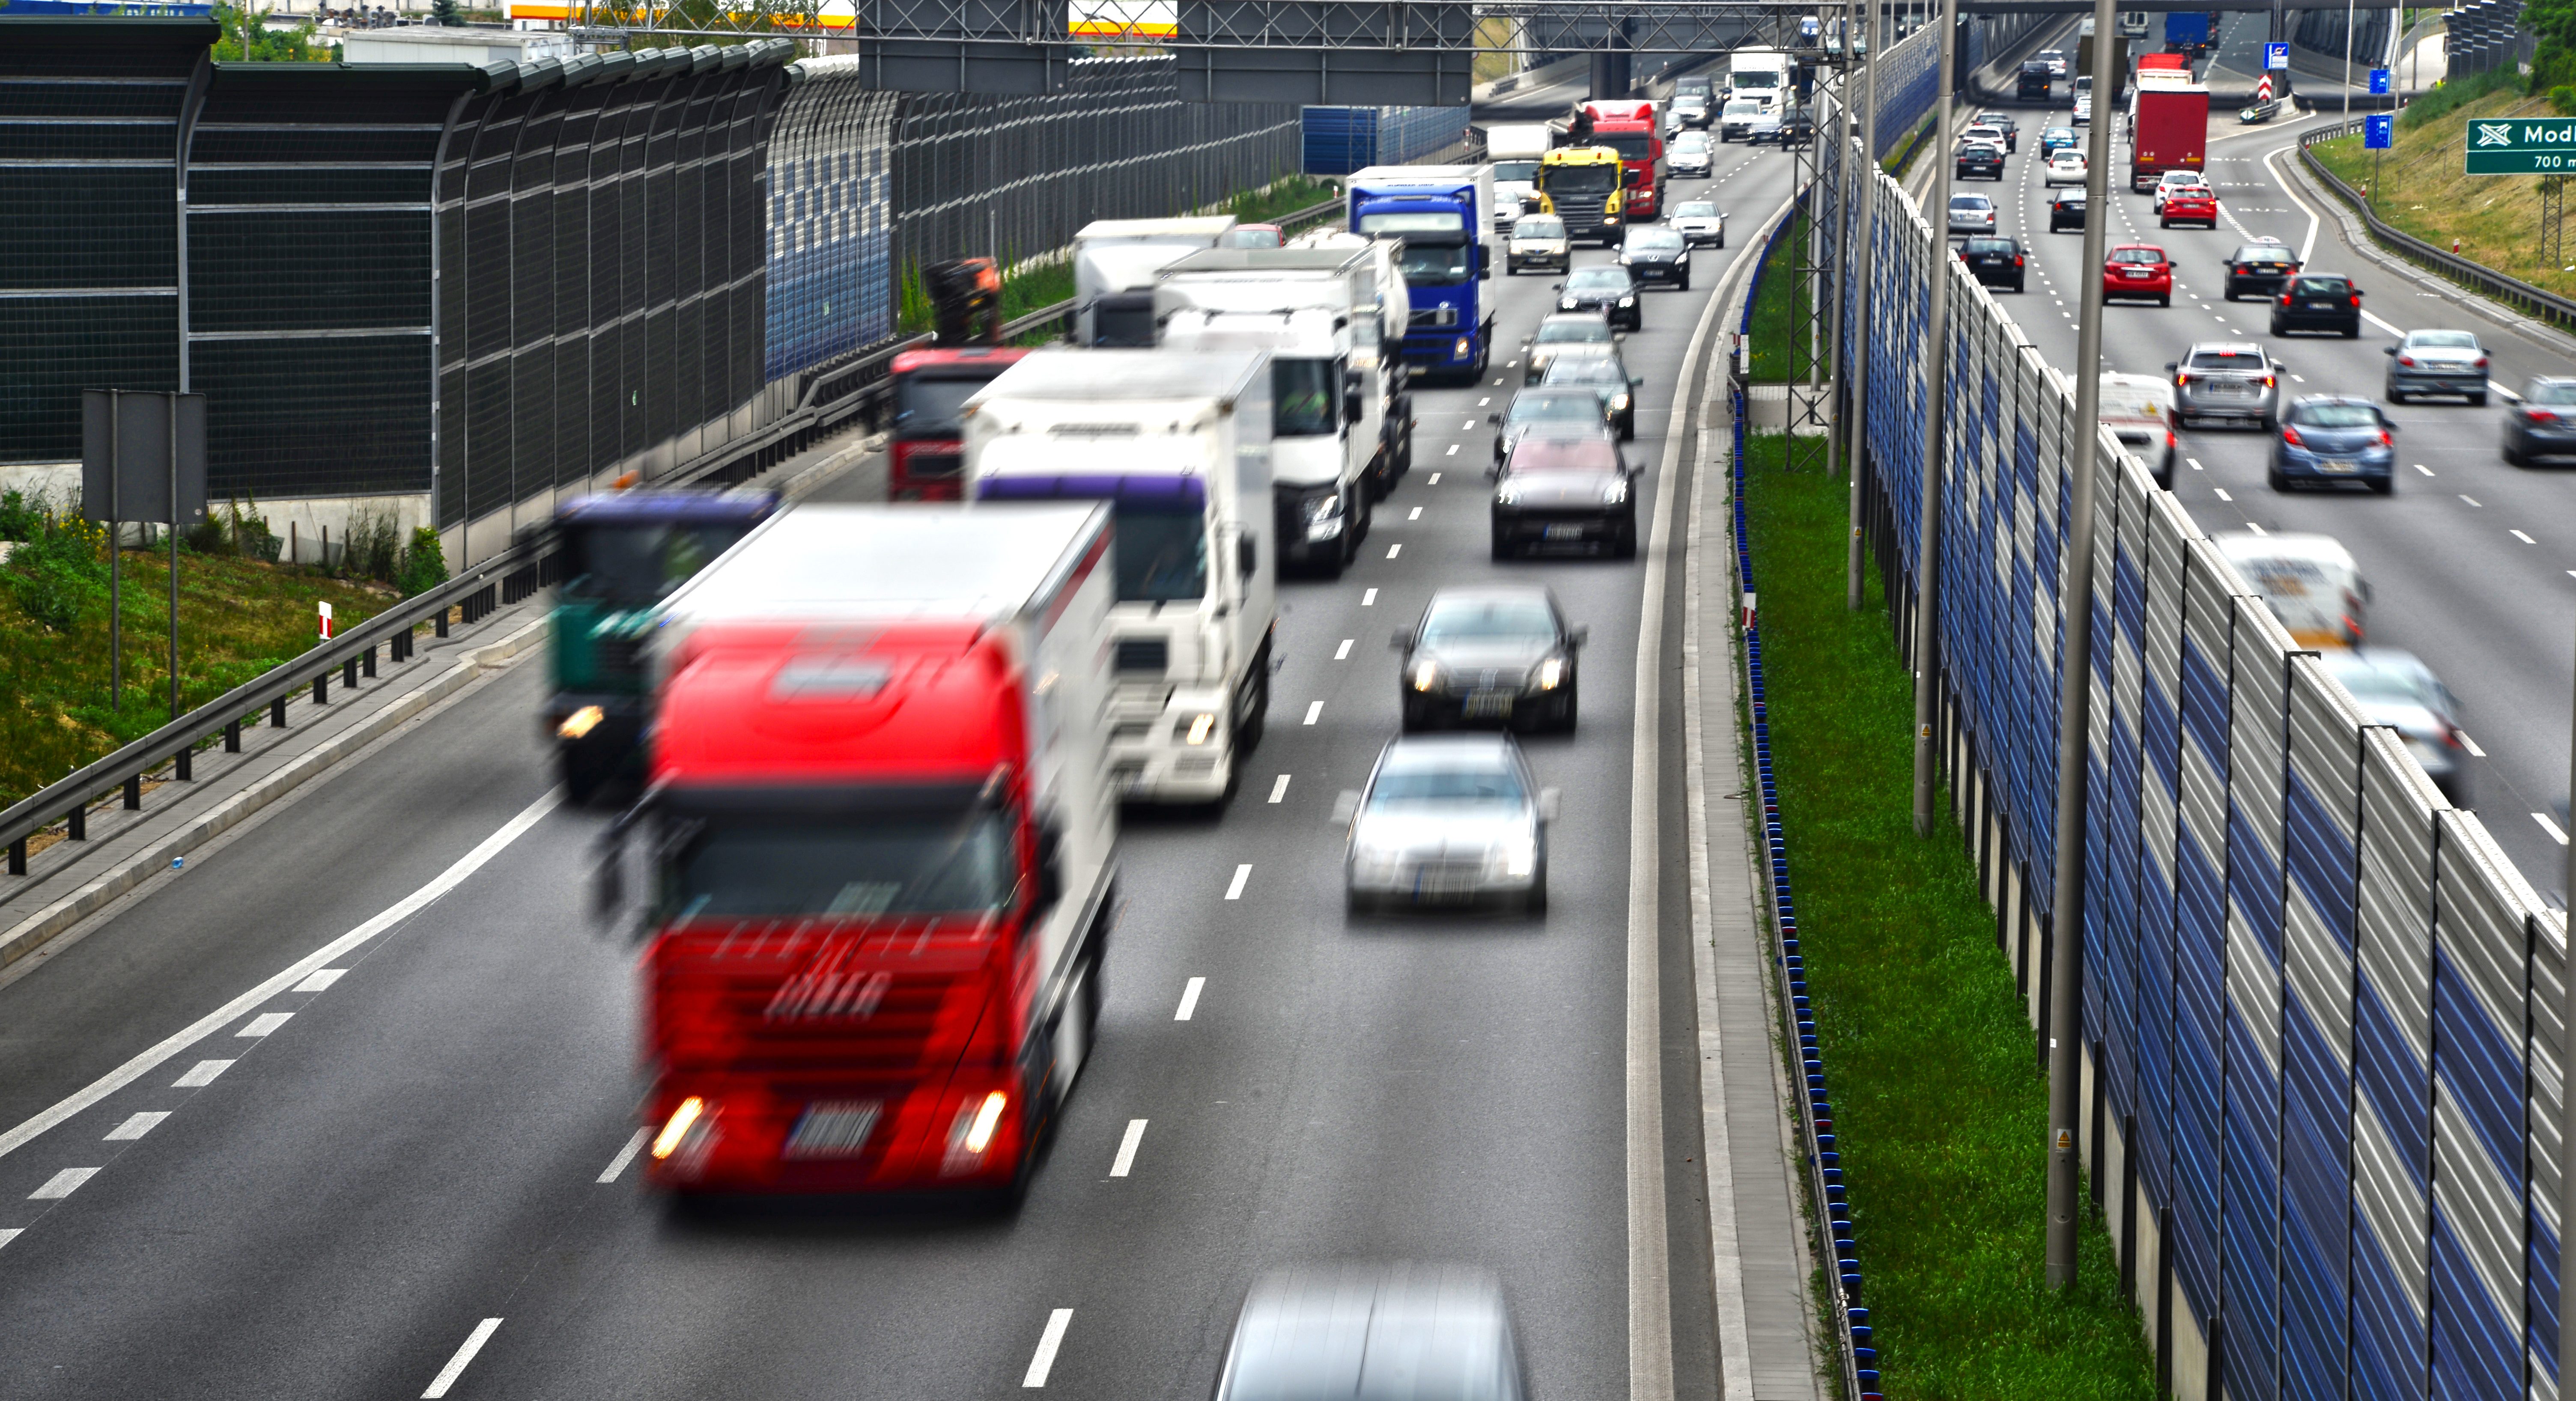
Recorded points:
2513,292
507,577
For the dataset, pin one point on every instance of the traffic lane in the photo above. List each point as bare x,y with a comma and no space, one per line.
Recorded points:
311,868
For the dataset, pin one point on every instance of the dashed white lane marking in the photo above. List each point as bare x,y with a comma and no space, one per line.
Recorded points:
321,980
137,1125
1435,480
1453,450
1189,999
1279,788
1048,1342
1368,599
2249,525
11,1234
1343,652
2470,744
1314,709
463,1359
1415,515
1479,404
2518,535
62,1184
624,1156
2420,467
1468,426
2556,834
265,1023
1127,1148
203,1073
2222,493
2195,464
1393,550
2473,502
1234,888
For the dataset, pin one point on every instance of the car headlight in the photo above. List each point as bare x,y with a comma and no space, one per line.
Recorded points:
1507,496
1520,854
581,722
1618,401
1195,730
1566,304
1551,673
1614,493
1627,301
1426,675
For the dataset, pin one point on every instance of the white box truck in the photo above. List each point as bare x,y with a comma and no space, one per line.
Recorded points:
1114,262
1515,153
1178,442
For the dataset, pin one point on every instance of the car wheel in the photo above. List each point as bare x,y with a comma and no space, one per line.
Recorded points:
1625,546
2385,486
1565,721
1685,286
1721,239
2477,401
2165,300
2163,223
2352,332
1534,903
2272,478
2513,456
2395,395
2020,285
2271,424
1502,549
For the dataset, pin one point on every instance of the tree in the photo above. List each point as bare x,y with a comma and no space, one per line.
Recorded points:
445,12
2553,60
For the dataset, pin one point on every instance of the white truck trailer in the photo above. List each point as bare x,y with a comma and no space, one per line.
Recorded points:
1114,263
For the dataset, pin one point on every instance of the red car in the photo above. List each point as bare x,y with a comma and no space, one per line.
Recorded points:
2138,270
1254,236
2190,204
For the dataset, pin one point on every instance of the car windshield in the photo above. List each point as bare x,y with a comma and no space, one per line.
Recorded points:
2552,391
1595,455
1660,240
1597,280
2182,177
1482,619
2384,684
2227,360
2336,415
1515,171
926,407
2263,253
1447,787
1162,554
789,866
2320,287
2137,255
1435,264
633,565
2058,133
1990,245
1560,330
2066,155
1747,108
1695,209
1539,226
1252,238
1971,202
1527,407
1587,369
1690,141
2443,340
1579,179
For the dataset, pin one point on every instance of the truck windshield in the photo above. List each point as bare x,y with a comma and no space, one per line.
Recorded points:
927,408
784,866
1741,81
1162,554
635,564
1522,171
1301,398
1435,264
1579,179
1631,146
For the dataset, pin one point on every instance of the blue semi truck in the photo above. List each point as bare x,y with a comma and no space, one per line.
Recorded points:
1444,214
2190,31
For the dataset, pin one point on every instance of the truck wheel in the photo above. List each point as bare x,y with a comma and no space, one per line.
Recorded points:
1250,726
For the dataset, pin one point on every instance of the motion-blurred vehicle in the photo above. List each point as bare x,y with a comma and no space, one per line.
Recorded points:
1538,241
2260,267
2233,381
1688,154
2138,270
878,894
1689,112
2309,582
2437,362
926,445
2065,167
1561,488
1580,184
1700,221
1996,262
2138,409
2396,688
2055,59
1373,1333
1516,150
2173,180
2189,204
1606,374
2066,210
1254,236
1656,254
1991,133
1627,125
2315,301
2002,122
1491,652
2334,438
2167,127
1749,119
1575,410
1561,331
1443,216
1447,820
1972,214
2544,423
2055,139
1981,158
2082,113
1608,292
2032,83
623,553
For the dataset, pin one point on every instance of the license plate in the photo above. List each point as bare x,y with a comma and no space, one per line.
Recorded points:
1488,705
2333,466
2320,306
1564,532
833,1129
2138,275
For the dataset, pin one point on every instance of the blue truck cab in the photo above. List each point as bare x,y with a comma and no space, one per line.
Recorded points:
1444,216
2190,31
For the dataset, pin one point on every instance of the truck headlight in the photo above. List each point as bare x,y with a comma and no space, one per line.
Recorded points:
1426,675
1196,730
1323,508
1462,349
581,722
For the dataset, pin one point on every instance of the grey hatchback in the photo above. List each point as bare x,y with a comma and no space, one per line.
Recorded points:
1400,1332
2544,423
2437,362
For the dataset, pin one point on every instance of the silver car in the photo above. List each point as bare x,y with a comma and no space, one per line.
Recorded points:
2396,688
1359,1332
1448,820
2232,381
1972,214
1700,221
2437,362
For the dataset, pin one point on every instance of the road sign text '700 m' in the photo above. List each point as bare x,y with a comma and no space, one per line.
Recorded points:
2522,146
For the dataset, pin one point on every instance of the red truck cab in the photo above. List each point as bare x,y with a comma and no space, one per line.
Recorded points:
1629,127
927,447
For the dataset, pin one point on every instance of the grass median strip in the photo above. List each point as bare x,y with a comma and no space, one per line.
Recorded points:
1940,1104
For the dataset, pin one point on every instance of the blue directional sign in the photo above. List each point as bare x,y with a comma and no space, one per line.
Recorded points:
2377,131
2379,82
2276,56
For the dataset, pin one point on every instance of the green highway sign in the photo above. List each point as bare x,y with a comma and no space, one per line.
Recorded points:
2521,145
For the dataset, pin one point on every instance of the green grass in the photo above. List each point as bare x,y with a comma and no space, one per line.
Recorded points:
1938,1099
1896,161
1781,325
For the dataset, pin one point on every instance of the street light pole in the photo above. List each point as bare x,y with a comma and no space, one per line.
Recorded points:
1936,415
2075,699
1865,185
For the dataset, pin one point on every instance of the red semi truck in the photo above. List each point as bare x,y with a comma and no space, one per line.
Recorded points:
2168,125
1628,127
883,849
927,449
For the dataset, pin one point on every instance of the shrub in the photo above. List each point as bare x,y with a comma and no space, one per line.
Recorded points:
57,574
252,539
424,563
18,520
374,546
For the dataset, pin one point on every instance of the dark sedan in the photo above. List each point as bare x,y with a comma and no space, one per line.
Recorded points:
2066,211
1981,158
1491,652
1658,255
2543,424
1607,375
1576,408
1997,262
2318,302
1565,490
2260,268
1607,291
2001,121
1561,332
2335,438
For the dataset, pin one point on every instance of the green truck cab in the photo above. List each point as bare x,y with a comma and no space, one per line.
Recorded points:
623,553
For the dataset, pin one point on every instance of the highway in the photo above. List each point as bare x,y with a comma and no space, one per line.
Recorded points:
401,1165
2472,562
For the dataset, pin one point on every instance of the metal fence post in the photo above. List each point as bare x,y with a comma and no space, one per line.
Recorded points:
1936,423
1865,186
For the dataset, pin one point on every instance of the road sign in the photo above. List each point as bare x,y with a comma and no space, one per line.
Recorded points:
2521,145
2377,131
2379,82
2276,56
2263,89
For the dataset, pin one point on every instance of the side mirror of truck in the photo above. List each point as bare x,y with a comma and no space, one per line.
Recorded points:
1247,555
608,884
1484,263
1346,805
1547,804
1352,409
1050,863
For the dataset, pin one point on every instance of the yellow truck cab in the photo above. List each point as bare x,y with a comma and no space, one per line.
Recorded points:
1581,185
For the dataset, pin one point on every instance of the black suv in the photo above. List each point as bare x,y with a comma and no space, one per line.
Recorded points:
2260,268
2318,302
2032,86
2066,211
1997,262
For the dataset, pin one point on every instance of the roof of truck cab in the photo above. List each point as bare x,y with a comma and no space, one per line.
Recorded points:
1097,375
884,562
1271,260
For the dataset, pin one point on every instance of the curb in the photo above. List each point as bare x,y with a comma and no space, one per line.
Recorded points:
44,925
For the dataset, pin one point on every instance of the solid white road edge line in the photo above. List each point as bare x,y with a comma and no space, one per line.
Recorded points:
1127,1148
1189,999
214,1021
1048,1342
464,1358
625,1155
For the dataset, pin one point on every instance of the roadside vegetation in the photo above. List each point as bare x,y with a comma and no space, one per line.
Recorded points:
2421,187
1940,1101
240,613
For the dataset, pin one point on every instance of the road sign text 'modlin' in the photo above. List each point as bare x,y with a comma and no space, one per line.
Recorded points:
2520,146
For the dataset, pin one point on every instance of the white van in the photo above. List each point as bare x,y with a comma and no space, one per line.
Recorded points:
2310,583
2138,409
